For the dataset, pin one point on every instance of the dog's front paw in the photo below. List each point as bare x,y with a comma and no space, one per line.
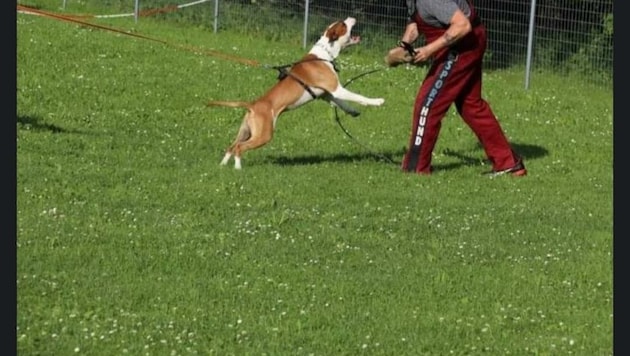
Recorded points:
377,102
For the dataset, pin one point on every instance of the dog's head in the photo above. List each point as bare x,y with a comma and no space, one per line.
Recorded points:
338,36
341,32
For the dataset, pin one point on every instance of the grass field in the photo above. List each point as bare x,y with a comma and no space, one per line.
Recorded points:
133,240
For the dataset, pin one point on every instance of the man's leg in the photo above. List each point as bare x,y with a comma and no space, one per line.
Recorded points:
476,112
478,115
435,96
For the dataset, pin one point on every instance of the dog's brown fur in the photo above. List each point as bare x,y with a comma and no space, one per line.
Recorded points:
314,71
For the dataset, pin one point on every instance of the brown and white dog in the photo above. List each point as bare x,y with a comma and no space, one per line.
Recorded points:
314,76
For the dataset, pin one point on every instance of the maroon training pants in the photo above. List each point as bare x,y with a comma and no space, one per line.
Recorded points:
455,77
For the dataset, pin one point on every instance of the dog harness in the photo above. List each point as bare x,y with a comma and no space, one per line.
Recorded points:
284,72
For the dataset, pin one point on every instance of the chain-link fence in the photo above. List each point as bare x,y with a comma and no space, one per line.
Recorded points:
570,37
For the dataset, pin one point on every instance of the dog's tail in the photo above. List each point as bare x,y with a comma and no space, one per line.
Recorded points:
232,104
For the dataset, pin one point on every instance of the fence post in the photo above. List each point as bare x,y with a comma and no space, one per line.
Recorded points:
64,4
136,11
216,15
306,2
530,40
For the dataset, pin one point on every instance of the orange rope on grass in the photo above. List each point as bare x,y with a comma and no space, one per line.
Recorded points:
75,19
162,10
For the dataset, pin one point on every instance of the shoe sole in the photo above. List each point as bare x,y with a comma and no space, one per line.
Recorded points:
519,173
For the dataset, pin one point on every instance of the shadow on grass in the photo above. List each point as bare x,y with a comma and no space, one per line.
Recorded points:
526,151
395,157
36,124
387,157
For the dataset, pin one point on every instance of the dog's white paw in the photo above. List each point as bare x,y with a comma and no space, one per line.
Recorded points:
225,159
377,102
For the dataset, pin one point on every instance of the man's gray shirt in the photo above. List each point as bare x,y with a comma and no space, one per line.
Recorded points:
437,13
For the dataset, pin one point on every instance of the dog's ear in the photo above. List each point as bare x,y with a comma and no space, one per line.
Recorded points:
335,31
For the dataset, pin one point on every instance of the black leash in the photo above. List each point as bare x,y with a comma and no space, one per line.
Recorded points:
348,132
282,68
407,47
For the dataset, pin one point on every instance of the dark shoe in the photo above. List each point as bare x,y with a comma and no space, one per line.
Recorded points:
517,171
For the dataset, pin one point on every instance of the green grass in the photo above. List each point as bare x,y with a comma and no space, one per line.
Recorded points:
133,240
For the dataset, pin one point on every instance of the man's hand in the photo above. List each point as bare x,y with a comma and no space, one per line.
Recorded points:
397,56
423,54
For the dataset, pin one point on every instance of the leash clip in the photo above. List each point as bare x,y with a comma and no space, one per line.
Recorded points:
408,47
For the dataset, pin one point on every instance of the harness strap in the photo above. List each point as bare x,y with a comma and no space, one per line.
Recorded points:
285,73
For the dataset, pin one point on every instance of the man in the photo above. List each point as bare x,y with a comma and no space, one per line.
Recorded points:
455,45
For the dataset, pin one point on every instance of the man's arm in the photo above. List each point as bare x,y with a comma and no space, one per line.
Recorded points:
459,27
400,54
411,33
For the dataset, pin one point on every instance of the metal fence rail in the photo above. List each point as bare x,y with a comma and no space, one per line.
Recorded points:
572,37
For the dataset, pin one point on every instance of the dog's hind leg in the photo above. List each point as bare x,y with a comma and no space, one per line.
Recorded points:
260,133
226,158
250,144
244,134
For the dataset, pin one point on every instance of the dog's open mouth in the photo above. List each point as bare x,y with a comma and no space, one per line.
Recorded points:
354,39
